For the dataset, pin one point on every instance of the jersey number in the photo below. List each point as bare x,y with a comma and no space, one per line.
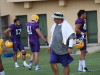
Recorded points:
18,31
29,30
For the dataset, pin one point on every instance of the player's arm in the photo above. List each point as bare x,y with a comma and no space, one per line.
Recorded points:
7,31
70,45
77,28
40,34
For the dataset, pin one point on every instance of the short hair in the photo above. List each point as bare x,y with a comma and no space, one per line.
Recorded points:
81,12
16,19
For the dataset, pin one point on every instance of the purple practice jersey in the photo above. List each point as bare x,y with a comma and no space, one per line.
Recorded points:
82,28
33,36
15,32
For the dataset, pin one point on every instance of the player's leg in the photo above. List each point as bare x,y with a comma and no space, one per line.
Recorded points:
1,67
15,50
82,63
54,58
36,55
55,69
21,48
82,57
23,55
66,70
15,57
24,58
15,60
65,61
32,55
36,59
83,54
32,58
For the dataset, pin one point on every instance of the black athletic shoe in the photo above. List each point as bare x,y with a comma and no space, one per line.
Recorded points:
30,67
86,70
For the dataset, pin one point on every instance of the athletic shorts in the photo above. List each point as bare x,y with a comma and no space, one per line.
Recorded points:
17,45
63,59
85,45
34,46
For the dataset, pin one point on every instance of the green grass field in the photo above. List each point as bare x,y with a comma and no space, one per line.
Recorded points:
93,63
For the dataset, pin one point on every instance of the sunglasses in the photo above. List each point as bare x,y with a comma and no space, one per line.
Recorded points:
32,20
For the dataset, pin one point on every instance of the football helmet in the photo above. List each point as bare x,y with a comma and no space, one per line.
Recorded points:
35,17
79,44
1,45
1,42
8,44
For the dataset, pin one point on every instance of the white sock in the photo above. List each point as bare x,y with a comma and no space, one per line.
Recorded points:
2,73
24,62
16,63
80,65
83,63
36,66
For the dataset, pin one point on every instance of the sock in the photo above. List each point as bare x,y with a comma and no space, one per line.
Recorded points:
80,65
16,63
2,73
24,62
36,66
83,63
31,63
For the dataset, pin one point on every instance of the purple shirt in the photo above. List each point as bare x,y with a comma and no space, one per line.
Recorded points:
82,28
15,32
33,36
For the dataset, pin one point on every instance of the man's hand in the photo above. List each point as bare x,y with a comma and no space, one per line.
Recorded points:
69,51
49,50
6,32
10,39
85,33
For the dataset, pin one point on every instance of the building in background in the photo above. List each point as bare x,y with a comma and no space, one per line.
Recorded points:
23,9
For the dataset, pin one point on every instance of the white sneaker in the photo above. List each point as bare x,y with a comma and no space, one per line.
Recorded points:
80,69
38,68
16,65
25,65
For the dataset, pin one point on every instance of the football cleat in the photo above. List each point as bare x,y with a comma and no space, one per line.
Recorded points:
25,65
86,70
37,69
80,70
16,66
